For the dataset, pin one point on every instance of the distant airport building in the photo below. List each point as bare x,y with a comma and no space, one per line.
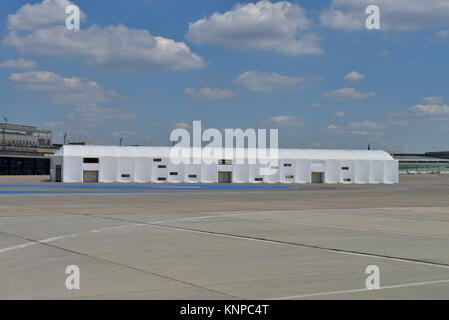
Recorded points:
25,150
427,163
108,164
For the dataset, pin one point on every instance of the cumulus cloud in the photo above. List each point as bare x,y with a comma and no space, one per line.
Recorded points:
124,133
207,93
444,34
430,106
281,27
35,16
364,128
366,125
429,112
430,109
182,125
260,81
91,114
348,94
432,100
339,114
59,91
84,96
354,76
20,64
112,46
395,15
282,121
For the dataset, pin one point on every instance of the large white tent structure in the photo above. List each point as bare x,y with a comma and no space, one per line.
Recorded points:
108,164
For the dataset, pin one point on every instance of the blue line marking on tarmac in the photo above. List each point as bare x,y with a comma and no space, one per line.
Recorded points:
120,187
100,189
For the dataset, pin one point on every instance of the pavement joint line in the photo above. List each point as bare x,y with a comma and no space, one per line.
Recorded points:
264,240
413,284
119,264
354,229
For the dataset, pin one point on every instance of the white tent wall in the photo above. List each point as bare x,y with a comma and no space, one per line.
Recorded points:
361,171
391,173
152,164
287,168
54,161
240,173
303,171
347,171
332,173
192,173
125,169
159,172
142,170
376,171
254,173
209,173
276,176
175,172
72,169
108,169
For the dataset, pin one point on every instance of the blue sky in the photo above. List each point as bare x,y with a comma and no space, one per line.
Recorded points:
139,68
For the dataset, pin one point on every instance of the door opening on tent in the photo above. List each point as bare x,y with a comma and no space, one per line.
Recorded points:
225,177
58,174
90,176
317,177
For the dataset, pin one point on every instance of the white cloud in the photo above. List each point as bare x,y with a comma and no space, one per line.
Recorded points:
282,121
317,105
92,114
54,124
394,15
348,94
182,125
35,16
430,109
83,95
366,125
432,100
354,76
430,106
339,114
210,94
364,128
20,64
59,91
123,133
260,81
444,34
117,47
280,27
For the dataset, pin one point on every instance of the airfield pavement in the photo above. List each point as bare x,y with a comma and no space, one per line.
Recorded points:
305,242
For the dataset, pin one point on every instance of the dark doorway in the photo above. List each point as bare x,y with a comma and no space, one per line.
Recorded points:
317,177
225,177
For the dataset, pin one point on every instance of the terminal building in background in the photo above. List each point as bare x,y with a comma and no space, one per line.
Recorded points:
25,150
426,163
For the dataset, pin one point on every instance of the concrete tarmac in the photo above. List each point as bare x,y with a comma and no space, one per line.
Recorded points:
308,242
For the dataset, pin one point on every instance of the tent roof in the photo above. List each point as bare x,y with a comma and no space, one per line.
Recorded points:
312,154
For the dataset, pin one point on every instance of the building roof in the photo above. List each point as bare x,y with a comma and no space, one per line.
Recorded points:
410,158
312,154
